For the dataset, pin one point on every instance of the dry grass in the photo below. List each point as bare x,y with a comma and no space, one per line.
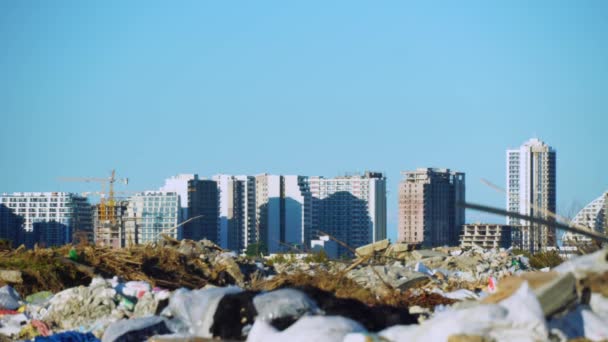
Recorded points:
344,287
545,259
42,269
50,269
541,259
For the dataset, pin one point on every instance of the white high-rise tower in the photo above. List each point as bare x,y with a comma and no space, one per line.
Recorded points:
531,191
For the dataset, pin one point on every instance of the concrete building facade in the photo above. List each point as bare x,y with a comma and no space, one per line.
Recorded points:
246,226
202,200
152,213
428,213
351,209
486,235
50,218
10,225
232,194
282,211
237,218
531,191
593,216
179,185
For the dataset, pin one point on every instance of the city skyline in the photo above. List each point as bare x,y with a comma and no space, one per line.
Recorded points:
172,184
294,89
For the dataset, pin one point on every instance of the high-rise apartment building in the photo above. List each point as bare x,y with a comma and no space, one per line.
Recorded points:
531,191
202,201
351,209
428,213
10,225
150,214
237,211
50,218
276,211
282,211
246,225
179,185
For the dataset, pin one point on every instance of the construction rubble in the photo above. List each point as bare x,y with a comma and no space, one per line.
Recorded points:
196,291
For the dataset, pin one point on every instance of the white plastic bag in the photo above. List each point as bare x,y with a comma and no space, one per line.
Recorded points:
307,328
581,322
284,303
136,328
195,309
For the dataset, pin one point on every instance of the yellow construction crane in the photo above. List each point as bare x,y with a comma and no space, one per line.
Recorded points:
106,211
110,181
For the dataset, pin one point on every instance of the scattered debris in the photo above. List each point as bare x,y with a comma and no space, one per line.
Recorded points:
187,290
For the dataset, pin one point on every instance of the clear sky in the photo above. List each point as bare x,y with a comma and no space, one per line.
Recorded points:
155,89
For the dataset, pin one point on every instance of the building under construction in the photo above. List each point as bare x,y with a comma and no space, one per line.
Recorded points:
109,222
486,235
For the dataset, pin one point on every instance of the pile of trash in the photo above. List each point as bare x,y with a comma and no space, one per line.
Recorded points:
170,264
388,293
113,310
384,267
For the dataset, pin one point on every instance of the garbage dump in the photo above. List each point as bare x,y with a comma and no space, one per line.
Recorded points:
187,290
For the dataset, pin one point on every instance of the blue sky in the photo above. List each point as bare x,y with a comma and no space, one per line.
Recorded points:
315,88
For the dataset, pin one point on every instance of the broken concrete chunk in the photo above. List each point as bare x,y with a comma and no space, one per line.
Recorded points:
409,281
557,294
427,253
370,249
397,250
11,277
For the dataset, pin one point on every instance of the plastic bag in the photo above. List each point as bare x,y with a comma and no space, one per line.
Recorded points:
133,290
195,309
596,262
72,336
517,318
525,320
11,325
136,329
581,323
461,294
420,267
284,303
39,297
307,328
9,298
